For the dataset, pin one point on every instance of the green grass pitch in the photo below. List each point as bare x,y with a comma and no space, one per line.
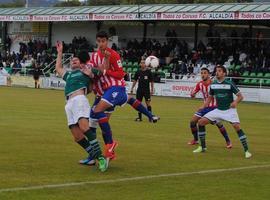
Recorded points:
36,149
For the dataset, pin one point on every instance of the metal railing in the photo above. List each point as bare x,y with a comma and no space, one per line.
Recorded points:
50,68
260,82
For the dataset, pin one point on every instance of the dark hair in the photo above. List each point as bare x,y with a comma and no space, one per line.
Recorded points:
223,68
102,34
206,69
83,56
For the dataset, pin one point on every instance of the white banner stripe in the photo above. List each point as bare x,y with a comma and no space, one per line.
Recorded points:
131,179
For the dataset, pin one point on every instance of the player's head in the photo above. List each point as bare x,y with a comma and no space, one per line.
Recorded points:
205,74
84,57
102,40
221,71
79,59
142,64
75,62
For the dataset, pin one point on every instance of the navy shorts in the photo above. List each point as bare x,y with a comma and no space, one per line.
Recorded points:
202,112
97,100
115,96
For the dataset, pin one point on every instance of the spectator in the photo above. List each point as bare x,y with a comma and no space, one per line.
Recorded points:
16,67
196,69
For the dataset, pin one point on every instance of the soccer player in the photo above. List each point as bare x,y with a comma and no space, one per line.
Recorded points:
145,78
223,90
77,107
203,87
108,112
111,85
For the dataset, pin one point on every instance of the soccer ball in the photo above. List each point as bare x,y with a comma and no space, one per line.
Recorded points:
152,61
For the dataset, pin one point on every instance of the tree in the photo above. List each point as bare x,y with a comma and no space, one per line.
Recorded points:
14,4
104,2
69,3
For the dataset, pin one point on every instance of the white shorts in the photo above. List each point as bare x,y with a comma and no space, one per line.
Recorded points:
76,108
229,115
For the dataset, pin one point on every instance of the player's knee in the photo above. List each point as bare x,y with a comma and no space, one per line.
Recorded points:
78,137
84,128
83,124
102,106
202,122
236,126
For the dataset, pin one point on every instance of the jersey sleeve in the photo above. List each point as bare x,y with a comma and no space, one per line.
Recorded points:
65,75
116,71
196,89
234,88
96,72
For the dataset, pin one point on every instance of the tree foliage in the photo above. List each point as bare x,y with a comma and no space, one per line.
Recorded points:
14,4
69,3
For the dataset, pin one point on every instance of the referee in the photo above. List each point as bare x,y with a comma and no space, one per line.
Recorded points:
145,78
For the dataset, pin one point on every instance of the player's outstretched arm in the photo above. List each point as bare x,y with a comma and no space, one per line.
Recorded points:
237,100
59,67
195,91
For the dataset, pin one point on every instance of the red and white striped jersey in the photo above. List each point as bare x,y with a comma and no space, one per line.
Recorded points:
114,76
97,87
204,87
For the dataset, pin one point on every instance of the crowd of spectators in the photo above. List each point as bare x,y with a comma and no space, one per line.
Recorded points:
37,54
250,53
32,54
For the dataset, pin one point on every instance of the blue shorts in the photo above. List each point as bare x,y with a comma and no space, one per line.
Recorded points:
202,112
115,96
97,100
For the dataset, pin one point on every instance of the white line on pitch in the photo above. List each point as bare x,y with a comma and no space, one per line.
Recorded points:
131,179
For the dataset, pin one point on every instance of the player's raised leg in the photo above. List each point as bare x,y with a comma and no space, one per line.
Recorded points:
137,105
98,114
